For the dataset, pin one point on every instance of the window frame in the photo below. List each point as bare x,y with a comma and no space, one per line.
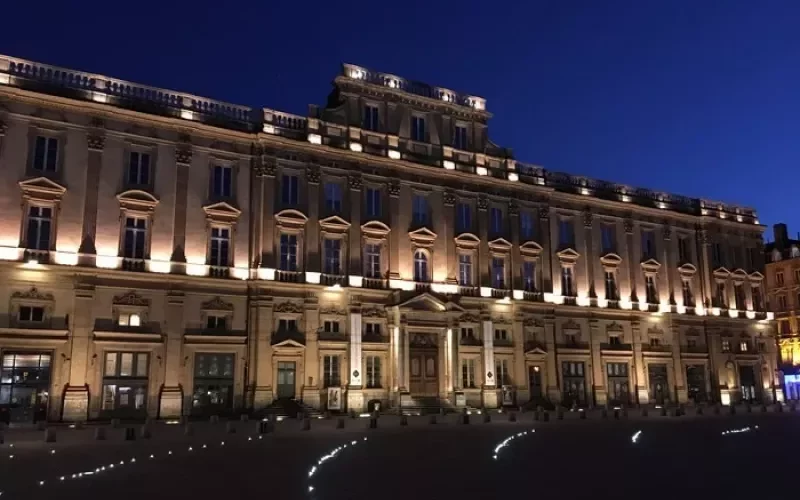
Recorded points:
223,167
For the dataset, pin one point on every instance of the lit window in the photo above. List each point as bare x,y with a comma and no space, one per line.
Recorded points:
330,374
468,373
129,319
726,345
420,266
502,372
373,372
39,227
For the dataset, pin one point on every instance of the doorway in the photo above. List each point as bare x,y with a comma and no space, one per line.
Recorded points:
535,382
286,378
747,378
659,388
24,386
424,377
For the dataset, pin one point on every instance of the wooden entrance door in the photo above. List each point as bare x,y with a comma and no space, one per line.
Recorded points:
424,376
286,374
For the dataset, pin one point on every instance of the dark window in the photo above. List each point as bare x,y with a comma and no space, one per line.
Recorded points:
290,189
372,261
502,372
651,289
721,295
420,209
498,272
529,276
222,182
214,322
611,286
287,325
373,203
717,256
648,244
460,137
371,121
220,246
419,130
566,235
39,227
373,372
757,302
684,249
288,252
608,239
738,290
135,238
464,217
139,169
333,254
333,197
526,226
331,327
31,314
567,282
688,297
496,220
45,154
331,371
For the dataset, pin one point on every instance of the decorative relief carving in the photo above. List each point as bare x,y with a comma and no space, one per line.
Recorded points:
95,142
355,182
469,318
628,225
513,208
288,307
266,166
217,304
313,174
571,325
332,311
667,230
393,188
533,323
183,155
449,198
422,340
544,212
587,218
614,327
33,294
373,312
483,203
131,299
655,330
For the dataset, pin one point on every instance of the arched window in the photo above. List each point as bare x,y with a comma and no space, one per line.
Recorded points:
420,266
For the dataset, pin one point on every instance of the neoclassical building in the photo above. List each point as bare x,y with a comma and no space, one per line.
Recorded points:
166,254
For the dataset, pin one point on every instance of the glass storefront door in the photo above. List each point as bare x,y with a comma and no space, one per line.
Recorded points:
24,386
213,383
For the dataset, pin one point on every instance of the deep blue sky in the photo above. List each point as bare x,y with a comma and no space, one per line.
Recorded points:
694,97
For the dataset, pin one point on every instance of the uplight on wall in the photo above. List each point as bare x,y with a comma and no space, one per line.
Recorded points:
518,294
313,277
66,258
446,288
393,154
513,177
733,313
241,273
9,253
357,281
356,147
269,129
160,266
107,261
187,115
196,269
5,79
481,171
99,97
266,273
402,285
486,291
315,138
449,165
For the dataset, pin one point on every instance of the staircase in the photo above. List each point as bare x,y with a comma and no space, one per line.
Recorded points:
288,408
424,405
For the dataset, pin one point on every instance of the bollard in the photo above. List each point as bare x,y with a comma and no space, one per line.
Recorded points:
512,417
616,414
732,410
582,414
699,410
546,416
188,430
340,423
644,411
464,417
115,423
2,438
130,434
373,422
763,408
486,417
264,426
306,424
230,428
779,408
244,417
432,420
50,435
560,414
327,414
214,419
676,412
403,420
144,432
663,411
603,413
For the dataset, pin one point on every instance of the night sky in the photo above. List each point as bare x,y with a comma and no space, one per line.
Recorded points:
699,98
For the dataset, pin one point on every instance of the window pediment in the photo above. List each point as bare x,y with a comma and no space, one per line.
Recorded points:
568,256
721,273
335,224
756,276
500,245
571,326
375,229
687,270
33,297
467,240
739,275
422,236
132,299
651,266
136,200
611,260
42,189
291,218
217,305
222,212
531,249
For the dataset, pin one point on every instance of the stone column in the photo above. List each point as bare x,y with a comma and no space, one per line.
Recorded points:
171,402
705,268
588,253
553,370
262,366
355,268
678,375
484,274
640,379
355,398
547,252
490,377
633,259
451,359
520,372
515,266
671,265
183,160
76,394
313,260
448,236
311,384
267,172
397,233
405,342
87,250
598,375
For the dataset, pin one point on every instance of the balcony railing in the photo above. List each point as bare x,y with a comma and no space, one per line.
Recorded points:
531,345
570,300
574,345
332,336
608,346
288,276
533,296
40,256
333,279
694,349
657,348
375,283
503,342
469,291
500,293
129,264
375,338
219,271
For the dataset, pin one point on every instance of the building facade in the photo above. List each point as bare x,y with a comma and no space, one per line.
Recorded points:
166,254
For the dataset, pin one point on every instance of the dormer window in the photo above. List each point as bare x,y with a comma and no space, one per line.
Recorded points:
460,137
419,129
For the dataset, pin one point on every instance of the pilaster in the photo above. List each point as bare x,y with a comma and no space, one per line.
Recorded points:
705,266
490,378
588,253
640,379
678,377
633,260
76,394
355,398
484,272
262,319
598,374
96,142
311,384
171,398
554,389
266,172
520,375
515,266
394,237
448,236
670,265
313,260
547,250
183,160
356,267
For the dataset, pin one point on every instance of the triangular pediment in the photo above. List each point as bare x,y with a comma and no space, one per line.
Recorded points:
290,344
500,244
721,272
291,217
535,349
687,270
137,200
530,248
756,276
611,260
467,240
375,228
334,223
422,235
651,265
222,211
739,274
42,188
568,255
424,302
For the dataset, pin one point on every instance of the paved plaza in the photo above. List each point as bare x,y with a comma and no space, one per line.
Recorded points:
660,456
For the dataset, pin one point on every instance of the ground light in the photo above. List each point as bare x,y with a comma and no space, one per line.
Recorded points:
635,437
326,458
739,430
507,441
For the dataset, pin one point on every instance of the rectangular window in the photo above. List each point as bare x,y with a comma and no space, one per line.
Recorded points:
333,197
500,334
290,189
135,238
216,322
721,295
757,302
717,256
464,217
498,272
31,314
139,169
502,372
213,366
331,327
465,269
655,342
527,230
373,372
419,130
726,345
651,289
420,209
126,364
288,252
467,333
222,182
617,369
529,276
744,346
496,220
781,302
45,154
371,118
287,325
460,137
39,227
219,254
468,373
738,292
779,278
566,236
688,297
684,249
330,376
611,286
648,244
373,203
372,330
567,282
372,254
608,239
614,340
333,255
129,319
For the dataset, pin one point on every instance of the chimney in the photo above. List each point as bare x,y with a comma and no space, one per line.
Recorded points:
781,236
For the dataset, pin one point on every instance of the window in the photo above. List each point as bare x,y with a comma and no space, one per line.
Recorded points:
333,254
372,330
496,220
220,246
716,254
371,118
468,373
126,364
420,209
614,340
460,137
744,346
372,253
726,345
529,276
420,266
465,269
288,252
651,289
138,169
756,293
498,272
31,314
752,258
330,376
500,334
526,228
567,285
373,372
572,368
781,302
467,333
39,227
419,131
333,197
720,295
779,278
688,298
502,372
216,322
135,238
738,293
617,369
566,236
611,286
463,217
684,250
691,342
331,327
287,325
129,319
213,381
608,239
373,203
571,338
45,154
655,342
222,182
290,189
648,244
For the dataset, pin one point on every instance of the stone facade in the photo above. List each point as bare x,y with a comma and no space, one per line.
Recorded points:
167,254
